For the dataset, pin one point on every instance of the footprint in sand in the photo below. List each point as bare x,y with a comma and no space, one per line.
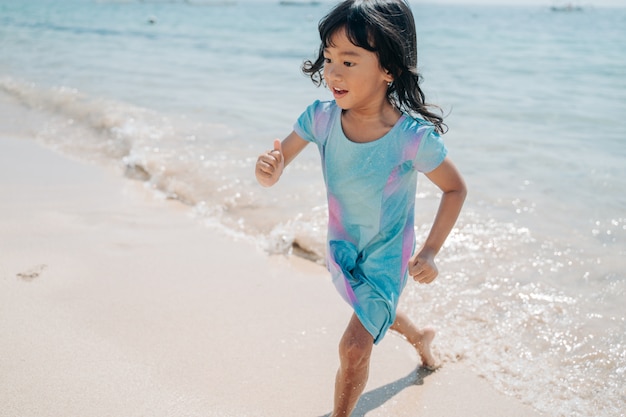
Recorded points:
32,273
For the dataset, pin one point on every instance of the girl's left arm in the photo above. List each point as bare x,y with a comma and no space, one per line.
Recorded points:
422,266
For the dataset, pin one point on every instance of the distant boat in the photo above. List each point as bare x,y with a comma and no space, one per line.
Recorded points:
299,2
569,7
211,2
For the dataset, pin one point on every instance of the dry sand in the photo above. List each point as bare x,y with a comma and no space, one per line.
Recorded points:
114,303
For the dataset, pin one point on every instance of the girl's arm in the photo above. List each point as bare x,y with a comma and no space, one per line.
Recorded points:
422,265
270,165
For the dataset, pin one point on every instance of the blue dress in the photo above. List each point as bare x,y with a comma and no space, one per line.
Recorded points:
371,205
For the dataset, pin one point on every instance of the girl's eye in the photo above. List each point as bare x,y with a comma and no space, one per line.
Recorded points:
348,64
327,60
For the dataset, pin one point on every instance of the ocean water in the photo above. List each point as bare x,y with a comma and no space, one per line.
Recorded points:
183,95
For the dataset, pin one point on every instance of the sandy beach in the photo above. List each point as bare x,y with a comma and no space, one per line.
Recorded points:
116,303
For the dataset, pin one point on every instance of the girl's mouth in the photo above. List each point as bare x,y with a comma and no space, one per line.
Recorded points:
338,92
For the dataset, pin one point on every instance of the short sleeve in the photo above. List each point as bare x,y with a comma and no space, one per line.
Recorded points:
431,151
313,124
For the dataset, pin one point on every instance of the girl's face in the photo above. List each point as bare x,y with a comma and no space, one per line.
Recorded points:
354,75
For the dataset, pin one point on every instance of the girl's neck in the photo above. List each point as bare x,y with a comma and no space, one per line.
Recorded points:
369,125
384,114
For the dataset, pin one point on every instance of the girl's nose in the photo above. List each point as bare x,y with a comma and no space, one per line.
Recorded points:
331,72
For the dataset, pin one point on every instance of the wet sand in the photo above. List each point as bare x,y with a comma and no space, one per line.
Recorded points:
114,302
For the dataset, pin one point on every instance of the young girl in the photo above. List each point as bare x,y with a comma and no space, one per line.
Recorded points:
373,139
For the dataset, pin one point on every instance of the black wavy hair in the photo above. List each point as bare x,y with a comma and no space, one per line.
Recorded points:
387,28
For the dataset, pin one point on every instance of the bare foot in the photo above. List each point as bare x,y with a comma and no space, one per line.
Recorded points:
422,341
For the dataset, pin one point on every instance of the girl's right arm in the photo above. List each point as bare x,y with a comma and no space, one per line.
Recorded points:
270,165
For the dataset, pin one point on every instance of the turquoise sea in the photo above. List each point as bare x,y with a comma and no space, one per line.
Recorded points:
183,95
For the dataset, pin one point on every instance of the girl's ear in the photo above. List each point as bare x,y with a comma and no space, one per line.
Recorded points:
388,77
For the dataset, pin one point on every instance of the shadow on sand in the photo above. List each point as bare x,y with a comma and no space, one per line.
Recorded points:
379,396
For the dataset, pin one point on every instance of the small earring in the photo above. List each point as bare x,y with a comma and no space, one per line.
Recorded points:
389,83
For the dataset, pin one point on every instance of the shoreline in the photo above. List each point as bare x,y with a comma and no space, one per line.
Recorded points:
115,303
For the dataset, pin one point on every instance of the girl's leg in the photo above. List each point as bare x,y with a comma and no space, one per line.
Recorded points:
355,349
420,339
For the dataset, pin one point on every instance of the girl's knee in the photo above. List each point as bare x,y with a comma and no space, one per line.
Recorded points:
353,355
355,351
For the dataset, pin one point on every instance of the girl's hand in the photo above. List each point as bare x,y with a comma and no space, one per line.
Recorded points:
270,165
422,267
